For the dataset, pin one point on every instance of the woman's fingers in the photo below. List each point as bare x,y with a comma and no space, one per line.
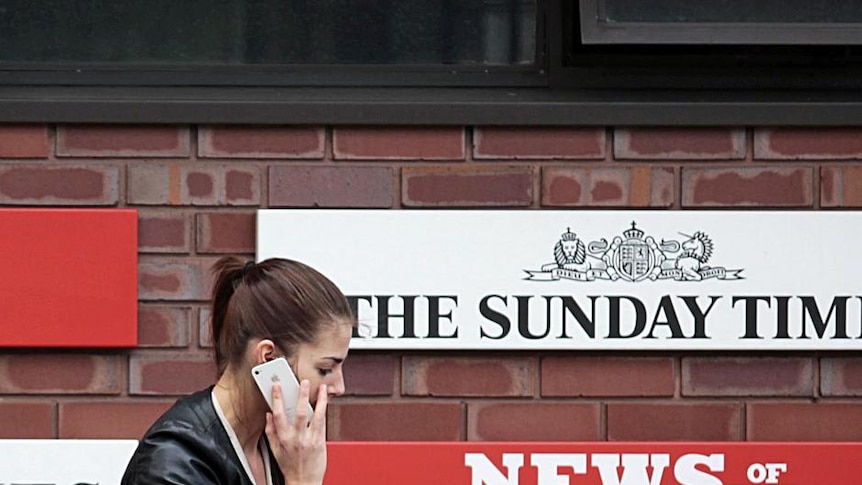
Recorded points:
278,414
269,428
302,416
279,420
318,424
272,435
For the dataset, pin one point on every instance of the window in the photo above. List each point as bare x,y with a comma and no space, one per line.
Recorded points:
269,42
662,44
721,22
548,62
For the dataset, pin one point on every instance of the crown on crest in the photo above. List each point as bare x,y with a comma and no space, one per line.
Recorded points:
569,235
634,232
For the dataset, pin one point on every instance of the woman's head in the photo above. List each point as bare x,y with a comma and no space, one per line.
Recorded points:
280,307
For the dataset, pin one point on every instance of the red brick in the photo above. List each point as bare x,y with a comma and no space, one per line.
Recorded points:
394,421
173,279
742,376
164,326
163,232
831,186
348,186
154,184
261,142
468,376
204,328
199,184
841,376
538,143
674,422
691,143
607,376
176,184
804,421
241,185
109,420
26,420
467,187
122,141
509,421
170,374
756,186
398,143
59,185
24,141
808,143
226,232
60,374
841,186
610,187
370,374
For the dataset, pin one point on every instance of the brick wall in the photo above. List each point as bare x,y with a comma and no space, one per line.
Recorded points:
197,188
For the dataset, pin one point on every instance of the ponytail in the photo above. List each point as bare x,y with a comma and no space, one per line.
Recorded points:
229,271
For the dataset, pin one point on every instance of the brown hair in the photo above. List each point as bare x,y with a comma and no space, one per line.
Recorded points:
279,299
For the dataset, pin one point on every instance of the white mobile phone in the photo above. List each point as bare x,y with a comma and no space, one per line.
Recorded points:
278,370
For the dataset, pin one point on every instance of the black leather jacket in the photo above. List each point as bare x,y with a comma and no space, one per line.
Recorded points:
188,445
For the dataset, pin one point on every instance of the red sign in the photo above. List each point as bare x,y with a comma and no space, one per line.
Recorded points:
471,463
68,278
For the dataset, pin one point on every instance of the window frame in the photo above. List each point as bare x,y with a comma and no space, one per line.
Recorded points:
563,95
287,75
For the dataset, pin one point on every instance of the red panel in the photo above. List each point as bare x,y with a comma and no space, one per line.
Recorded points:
471,463
68,278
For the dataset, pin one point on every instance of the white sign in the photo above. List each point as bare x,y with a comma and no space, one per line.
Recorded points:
627,280
64,462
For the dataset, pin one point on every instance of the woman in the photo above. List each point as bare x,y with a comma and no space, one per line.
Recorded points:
226,434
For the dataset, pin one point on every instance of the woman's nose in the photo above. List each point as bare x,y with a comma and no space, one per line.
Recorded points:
337,387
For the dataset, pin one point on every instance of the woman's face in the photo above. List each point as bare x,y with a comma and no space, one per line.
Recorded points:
321,362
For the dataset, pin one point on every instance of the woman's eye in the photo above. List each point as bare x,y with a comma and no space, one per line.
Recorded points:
324,372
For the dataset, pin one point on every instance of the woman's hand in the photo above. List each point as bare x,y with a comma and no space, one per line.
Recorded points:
300,450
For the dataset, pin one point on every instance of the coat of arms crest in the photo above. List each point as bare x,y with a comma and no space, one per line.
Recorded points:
633,257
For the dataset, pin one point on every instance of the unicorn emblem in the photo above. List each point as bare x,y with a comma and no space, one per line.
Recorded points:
697,250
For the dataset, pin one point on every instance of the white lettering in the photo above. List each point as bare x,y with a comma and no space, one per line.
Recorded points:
686,473
634,468
773,470
756,473
548,465
765,473
486,473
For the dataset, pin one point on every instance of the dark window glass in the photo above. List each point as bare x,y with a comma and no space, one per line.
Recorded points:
701,66
765,11
741,22
242,32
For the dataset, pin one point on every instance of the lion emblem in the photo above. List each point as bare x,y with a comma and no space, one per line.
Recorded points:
570,253
569,249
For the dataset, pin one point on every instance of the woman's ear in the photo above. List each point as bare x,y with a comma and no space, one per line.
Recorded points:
264,351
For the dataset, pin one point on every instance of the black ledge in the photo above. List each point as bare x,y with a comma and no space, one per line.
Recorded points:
426,106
